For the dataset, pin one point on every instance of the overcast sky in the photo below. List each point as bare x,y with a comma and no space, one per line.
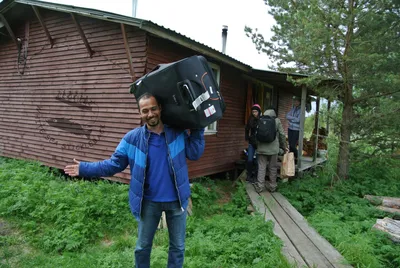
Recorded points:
201,21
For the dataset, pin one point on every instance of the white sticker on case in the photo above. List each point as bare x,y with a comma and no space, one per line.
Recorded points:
210,111
200,99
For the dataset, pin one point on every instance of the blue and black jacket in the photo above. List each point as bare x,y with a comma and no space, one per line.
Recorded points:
132,151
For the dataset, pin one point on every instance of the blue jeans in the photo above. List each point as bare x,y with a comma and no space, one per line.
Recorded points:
251,162
293,137
176,222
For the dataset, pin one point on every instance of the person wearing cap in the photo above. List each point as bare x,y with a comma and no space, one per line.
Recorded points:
293,116
250,136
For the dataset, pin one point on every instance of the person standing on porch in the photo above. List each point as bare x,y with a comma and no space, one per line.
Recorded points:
267,155
250,136
156,155
293,116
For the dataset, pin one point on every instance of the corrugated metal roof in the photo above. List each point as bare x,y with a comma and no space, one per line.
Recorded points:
145,25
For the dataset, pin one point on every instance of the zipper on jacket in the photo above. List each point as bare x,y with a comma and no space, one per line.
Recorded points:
144,174
173,171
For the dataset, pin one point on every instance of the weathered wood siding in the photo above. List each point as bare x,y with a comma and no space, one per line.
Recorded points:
225,147
285,103
67,105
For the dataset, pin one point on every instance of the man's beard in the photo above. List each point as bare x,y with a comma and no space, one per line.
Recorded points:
153,122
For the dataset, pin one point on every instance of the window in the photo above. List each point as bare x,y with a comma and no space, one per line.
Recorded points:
212,128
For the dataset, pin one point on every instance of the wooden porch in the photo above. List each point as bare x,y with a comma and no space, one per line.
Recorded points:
308,163
302,245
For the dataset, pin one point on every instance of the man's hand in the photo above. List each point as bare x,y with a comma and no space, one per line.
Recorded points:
72,170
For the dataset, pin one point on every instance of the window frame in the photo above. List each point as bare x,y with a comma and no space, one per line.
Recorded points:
213,129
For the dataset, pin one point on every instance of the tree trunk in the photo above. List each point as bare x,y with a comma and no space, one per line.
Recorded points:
386,201
390,226
345,133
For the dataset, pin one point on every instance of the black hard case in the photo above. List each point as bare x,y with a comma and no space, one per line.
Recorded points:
187,91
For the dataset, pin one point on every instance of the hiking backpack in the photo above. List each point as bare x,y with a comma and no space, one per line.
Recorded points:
266,129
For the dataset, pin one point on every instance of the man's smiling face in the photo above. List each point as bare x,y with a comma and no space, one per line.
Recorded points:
150,112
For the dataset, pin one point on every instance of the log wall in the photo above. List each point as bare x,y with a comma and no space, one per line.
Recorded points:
61,103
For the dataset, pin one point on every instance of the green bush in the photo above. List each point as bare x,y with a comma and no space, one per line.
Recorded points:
61,215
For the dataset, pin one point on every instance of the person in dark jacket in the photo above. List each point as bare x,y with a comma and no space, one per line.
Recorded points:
156,155
250,136
267,154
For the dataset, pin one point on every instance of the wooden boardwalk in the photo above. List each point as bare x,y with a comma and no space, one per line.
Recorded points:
302,245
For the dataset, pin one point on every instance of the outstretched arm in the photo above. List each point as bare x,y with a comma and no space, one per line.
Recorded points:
117,163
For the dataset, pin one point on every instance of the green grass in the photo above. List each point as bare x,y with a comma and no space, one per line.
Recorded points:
339,212
49,221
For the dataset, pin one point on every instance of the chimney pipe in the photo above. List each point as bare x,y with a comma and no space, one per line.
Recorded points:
224,37
134,7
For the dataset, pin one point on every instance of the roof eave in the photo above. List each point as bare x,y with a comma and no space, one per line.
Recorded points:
145,25
191,44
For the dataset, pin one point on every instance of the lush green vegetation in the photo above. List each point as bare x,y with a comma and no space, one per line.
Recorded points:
339,212
47,220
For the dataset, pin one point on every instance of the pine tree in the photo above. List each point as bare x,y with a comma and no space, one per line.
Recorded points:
354,44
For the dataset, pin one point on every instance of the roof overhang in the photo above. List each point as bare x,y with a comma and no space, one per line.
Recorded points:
279,80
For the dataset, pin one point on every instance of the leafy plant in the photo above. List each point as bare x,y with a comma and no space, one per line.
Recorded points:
61,215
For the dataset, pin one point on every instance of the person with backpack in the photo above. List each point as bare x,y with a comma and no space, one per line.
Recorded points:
250,136
270,139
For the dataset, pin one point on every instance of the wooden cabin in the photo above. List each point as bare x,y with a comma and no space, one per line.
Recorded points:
65,74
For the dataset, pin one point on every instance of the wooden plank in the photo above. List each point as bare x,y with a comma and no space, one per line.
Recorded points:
10,31
82,34
36,10
128,52
389,226
241,177
316,127
331,253
302,121
288,250
395,211
309,252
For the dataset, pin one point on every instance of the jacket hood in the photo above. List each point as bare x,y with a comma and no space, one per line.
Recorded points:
270,112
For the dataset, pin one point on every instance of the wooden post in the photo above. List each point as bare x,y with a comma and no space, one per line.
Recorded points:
316,126
36,10
327,119
302,119
3,19
128,52
82,34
